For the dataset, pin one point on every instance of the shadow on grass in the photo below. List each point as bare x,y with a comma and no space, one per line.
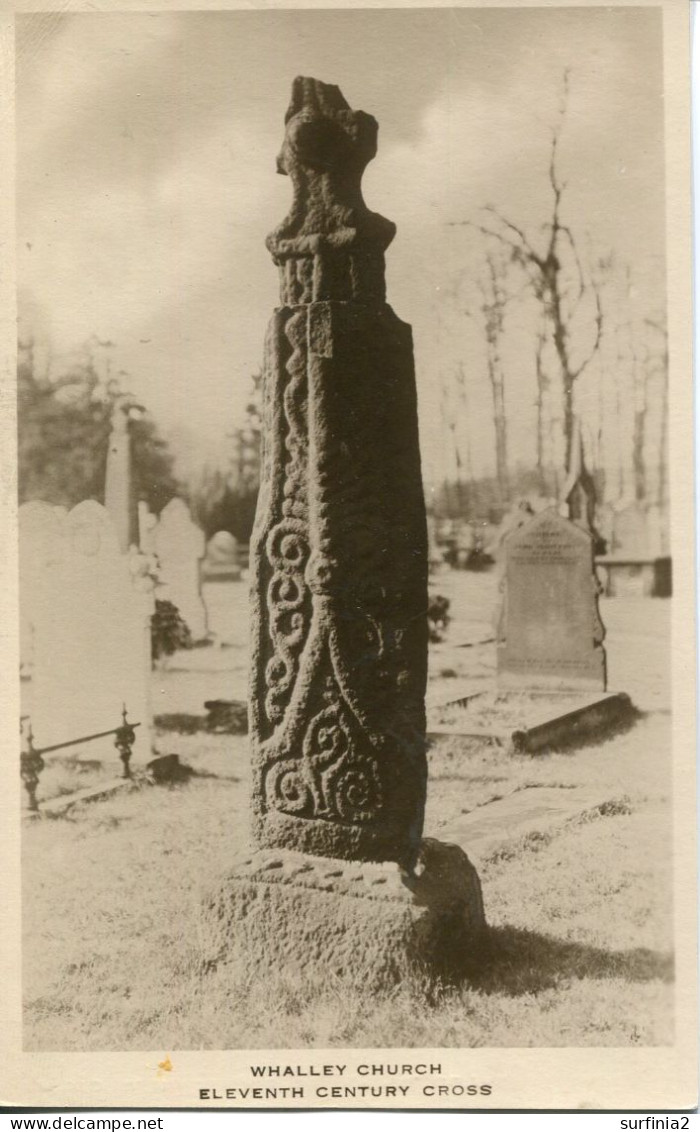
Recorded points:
518,962
218,777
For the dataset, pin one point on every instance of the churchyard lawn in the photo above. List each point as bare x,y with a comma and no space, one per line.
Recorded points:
579,906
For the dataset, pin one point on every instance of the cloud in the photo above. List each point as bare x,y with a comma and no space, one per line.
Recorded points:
147,185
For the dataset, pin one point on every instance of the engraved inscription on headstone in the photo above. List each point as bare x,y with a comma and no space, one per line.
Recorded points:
550,633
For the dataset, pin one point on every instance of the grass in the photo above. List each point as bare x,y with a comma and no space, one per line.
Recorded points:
580,950
580,945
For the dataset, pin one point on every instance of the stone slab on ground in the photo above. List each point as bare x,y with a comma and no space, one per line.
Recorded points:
366,923
456,691
531,721
532,810
64,802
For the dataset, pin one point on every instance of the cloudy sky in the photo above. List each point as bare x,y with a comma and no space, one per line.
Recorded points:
146,177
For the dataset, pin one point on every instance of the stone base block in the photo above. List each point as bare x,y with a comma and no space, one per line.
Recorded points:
369,924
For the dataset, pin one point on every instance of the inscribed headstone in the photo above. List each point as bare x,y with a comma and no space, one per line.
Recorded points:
550,634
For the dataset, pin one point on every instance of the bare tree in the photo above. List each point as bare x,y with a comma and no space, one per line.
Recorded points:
640,378
660,327
494,299
451,414
569,296
542,390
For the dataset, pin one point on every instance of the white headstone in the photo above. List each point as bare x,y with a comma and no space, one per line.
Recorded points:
41,546
180,545
89,645
222,549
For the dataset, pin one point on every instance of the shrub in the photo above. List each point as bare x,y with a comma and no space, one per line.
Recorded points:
168,630
438,616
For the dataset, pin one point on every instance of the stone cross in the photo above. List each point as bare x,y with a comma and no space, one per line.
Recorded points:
339,550
340,880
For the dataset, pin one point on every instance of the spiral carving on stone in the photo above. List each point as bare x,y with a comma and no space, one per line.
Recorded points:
332,780
356,792
287,551
339,651
286,788
287,547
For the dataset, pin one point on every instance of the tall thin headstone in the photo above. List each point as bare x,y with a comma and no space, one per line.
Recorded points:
339,599
120,499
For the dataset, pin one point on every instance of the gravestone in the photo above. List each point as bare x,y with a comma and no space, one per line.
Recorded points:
180,544
120,500
222,558
339,879
41,547
550,634
89,654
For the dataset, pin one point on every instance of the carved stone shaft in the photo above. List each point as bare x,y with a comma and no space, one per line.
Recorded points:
339,551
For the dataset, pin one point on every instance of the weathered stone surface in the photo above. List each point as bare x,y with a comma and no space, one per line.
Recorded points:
339,550
539,811
549,633
368,923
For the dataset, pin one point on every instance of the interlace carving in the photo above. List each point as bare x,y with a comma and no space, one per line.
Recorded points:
339,552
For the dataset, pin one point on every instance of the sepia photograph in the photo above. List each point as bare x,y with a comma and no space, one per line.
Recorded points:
351,682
